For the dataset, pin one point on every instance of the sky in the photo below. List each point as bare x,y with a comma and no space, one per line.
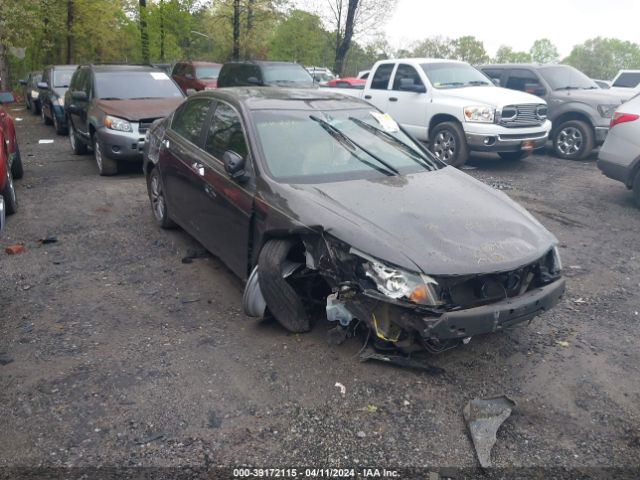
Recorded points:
515,23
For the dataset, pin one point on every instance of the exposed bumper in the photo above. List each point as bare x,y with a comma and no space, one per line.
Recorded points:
127,146
494,138
496,316
2,214
601,134
615,170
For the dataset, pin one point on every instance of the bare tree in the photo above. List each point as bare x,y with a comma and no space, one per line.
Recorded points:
69,35
236,30
144,34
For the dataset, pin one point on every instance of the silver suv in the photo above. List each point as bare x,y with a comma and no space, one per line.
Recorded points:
579,110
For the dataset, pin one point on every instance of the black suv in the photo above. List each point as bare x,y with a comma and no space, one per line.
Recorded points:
257,73
110,108
31,93
52,87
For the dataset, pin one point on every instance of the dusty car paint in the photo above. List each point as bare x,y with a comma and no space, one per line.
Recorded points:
439,223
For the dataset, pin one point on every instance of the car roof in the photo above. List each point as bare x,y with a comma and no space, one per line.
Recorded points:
199,62
262,62
523,65
117,67
419,60
272,98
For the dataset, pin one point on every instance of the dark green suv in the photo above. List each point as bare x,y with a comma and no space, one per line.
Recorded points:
54,84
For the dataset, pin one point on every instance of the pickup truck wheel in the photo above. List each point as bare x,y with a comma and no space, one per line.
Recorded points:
9,194
78,147
636,189
573,140
106,166
448,144
282,300
158,200
514,156
17,170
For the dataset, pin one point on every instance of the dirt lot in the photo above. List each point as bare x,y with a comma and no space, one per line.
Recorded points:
120,354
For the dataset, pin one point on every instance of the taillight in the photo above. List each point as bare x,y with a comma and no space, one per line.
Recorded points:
619,117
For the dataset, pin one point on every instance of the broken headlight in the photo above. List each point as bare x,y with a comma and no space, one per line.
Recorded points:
556,261
399,284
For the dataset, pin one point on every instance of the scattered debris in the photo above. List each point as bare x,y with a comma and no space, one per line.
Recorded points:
15,249
337,335
150,439
579,301
361,434
343,389
5,359
18,119
189,300
401,361
562,343
484,416
193,253
45,140
372,408
48,239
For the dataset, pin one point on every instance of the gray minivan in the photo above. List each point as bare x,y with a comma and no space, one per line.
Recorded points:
579,109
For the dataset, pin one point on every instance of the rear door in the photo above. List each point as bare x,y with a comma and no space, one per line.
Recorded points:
406,107
526,80
377,92
181,167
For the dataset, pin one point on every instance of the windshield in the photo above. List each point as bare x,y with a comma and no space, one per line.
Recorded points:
311,146
127,85
454,75
628,80
204,73
61,78
564,77
287,75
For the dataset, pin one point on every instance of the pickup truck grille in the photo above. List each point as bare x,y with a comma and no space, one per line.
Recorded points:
526,115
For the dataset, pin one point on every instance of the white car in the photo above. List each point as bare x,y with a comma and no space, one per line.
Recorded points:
320,75
456,108
626,82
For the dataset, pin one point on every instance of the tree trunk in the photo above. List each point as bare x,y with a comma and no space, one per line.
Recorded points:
248,44
69,35
236,30
162,30
4,68
344,43
144,34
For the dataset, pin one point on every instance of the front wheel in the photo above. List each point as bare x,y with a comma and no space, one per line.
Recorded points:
60,129
46,120
448,143
158,200
106,165
9,194
17,170
573,140
514,156
78,147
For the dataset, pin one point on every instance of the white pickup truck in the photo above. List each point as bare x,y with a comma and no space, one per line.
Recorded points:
456,108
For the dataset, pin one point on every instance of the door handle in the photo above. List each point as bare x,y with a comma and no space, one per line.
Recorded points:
393,99
367,97
166,143
199,168
210,191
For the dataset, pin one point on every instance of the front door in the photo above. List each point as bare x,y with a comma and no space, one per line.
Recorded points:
408,108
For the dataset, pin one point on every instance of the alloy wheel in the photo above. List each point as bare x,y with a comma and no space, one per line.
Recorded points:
11,187
569,141
98,154
444,146
157,197
72,137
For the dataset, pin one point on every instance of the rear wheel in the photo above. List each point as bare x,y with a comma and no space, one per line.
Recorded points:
447,142
158,200
78,147
636,189
106,166
514,156
17,170
573,140
282,300
9,194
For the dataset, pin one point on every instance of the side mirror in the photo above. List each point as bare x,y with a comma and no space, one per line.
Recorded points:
190,91
22,82
407,85
43,85
234,165
79,95
254,81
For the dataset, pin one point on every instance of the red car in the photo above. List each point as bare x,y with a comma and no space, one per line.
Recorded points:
10,161
196,75
347,82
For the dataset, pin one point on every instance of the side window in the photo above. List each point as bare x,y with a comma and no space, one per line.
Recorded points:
225,133
525,81
87,82
494,74
177,69
381,78
406,75
189,119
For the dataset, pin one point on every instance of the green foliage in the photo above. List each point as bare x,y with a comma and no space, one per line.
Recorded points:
301,38
508,55
603,57
470,50
467,48
435,47
543,51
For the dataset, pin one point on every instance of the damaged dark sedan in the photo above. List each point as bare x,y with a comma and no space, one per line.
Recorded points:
318,200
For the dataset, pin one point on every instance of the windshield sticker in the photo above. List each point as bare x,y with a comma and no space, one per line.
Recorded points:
386,122
159,75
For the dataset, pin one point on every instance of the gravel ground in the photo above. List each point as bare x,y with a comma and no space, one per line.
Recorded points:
115,353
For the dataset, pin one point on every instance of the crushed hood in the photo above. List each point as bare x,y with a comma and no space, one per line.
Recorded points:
441,223
135,110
